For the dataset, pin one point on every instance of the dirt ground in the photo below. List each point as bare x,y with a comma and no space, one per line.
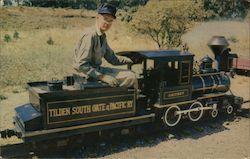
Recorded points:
231,140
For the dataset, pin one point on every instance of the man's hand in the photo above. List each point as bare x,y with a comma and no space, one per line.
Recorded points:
126,60
129,61
109,80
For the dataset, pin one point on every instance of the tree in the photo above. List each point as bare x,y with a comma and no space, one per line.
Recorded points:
166,21
227,8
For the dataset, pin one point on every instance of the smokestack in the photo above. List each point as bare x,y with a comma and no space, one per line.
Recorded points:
218,45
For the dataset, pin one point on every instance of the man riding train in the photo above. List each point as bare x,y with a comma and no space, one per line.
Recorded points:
93,46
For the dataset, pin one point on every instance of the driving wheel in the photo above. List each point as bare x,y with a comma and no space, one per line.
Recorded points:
171,118
197,113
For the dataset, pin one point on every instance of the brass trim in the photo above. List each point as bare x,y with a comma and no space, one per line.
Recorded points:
84,118
202,89
167,105
203,84
176,96
190,101
180,80
217,73
214,84
218,77
208,88
219,86
210,96
90,98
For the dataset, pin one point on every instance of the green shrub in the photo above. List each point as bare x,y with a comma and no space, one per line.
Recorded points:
129,18
7,38
2,97
15,91
16,35
133,9
50,41
123,18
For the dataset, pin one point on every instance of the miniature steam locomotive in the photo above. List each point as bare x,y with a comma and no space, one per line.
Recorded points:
169,91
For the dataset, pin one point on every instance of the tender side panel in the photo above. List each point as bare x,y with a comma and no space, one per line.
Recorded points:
89,108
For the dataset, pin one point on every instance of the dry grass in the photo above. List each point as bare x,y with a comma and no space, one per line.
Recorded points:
30,58
28,18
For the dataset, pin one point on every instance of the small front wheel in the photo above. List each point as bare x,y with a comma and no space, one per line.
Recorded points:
229,109
214,113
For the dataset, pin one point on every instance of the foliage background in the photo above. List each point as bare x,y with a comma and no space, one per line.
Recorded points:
29,56
216,8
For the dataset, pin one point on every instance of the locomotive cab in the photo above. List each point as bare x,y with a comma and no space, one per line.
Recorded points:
166,75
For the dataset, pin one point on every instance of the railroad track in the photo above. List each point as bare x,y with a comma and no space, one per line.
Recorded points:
107,146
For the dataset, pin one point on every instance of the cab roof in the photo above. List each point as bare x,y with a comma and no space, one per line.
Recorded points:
159,55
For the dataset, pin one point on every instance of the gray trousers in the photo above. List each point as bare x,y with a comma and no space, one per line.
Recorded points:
126,78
